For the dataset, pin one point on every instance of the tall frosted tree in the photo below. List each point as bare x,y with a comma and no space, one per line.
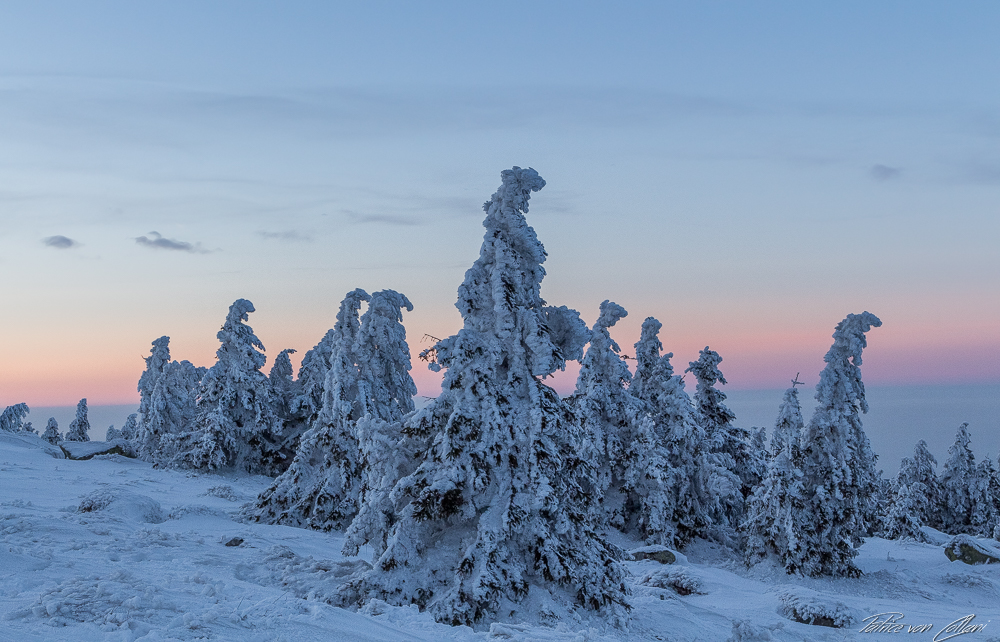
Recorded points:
170,414
957,479
985,499
607,414
699,487
775,512
235,420
80,426
837,462
921,469
12,417
321,487
159,357
728,443
285,391
496,504
903,520
386,392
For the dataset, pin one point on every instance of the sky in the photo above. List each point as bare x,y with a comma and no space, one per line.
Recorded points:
749,173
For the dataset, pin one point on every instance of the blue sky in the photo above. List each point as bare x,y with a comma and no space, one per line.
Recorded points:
748,173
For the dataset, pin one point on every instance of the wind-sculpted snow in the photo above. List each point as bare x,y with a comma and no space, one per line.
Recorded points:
103,575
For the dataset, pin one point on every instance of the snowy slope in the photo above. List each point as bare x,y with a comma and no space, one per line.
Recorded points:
146,558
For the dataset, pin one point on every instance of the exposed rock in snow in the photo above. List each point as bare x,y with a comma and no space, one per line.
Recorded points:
964,548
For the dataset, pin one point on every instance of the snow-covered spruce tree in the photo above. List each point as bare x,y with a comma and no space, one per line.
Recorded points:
837,463
51,433
131,427
957,479
320,488
159,357
170,413
386,395
729,443
496,507
12,417
113,434
921,468
28,428
80,426
985,499
903,520
285,391
607,415
700,487
775,512
235,420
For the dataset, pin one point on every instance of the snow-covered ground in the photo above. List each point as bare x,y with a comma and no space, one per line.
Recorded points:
113,549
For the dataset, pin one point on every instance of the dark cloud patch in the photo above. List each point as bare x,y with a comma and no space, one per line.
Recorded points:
156,240
60,242
287,235
884,172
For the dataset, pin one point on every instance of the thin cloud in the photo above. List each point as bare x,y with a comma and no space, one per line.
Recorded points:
287,235
60,242
156,240
361,219
884,172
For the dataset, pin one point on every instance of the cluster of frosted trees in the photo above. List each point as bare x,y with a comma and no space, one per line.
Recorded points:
963,498
12,420
499,487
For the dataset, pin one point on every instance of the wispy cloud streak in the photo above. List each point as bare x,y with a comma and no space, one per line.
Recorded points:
158,241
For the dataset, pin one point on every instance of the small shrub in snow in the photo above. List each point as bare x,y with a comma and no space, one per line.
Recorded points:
224,491
680,579
746,631
809,607
123,504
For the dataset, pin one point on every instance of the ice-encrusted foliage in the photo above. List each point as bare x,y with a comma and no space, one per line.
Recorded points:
12,417
285,391
775,513
386,392
113,434
700,487
26,427
131,427
312,379
729,444
80,426
607,415
903,519
921,469
321,487
837,462
496,504
170,413
985,499
159,357
957,478
235,421
51,432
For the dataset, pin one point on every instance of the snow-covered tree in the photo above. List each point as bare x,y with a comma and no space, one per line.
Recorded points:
170,412
775,515
321,487
837,462
131,427
80,426
159,357
921,469
700,486
903,520
113,434
496,504
985,499
957,479
730,444
386,394
285,391
235,421
51,433
607,414
12,418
